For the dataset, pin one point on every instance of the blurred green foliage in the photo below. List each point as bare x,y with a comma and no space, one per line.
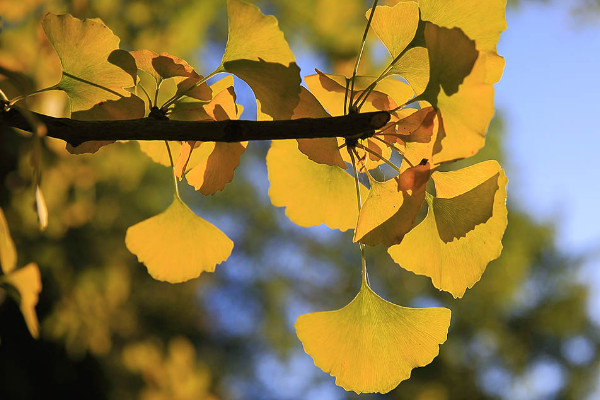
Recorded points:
109,331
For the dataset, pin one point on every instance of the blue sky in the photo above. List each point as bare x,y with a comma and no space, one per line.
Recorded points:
548,98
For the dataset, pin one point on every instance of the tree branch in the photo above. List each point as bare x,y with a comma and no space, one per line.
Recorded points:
76,132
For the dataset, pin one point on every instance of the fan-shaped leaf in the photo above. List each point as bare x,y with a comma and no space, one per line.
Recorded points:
462,231
177,245
312,193
258,53
371,345
391,208
94,69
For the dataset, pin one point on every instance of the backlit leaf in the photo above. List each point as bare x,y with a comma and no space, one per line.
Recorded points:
258,53
214,163
312,193
414,67
371,345
177,245
462,231
164,66
88,51
482,21
8,252
391,208
28,282
396,26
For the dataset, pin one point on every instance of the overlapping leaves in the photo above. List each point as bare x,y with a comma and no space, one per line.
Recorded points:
438,89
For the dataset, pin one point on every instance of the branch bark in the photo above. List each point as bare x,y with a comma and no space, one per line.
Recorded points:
76,132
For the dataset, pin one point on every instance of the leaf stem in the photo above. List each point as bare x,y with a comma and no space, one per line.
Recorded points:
173,167
362,48
195,85
385,160
359,201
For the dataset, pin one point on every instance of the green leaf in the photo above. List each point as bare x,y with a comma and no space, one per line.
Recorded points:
371,345
177,245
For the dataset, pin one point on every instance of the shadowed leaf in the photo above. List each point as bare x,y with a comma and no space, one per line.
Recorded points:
84,48
258,53
390,211
462,231
28,282
8,252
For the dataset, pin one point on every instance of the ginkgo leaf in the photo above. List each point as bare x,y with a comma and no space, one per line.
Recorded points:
464,117
391,208
88,51
124,108
312,193
215,167
462,231
371,345
257,52
177,245
414,67
330,90
460,88
8,252
164,66
482,21
416,127
396,26
321,150
215,163
28,282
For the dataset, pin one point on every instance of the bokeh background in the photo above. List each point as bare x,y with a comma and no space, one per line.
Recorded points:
528,330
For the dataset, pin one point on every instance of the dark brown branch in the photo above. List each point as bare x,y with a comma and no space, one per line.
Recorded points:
76,132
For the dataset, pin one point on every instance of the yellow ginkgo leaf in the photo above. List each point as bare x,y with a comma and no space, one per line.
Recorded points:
257,52
461,89
371,345
28,282
462,231
414,67
320,150
8,252
330,90
396,26
391,208
177,245
465,116
482,21
94,69
215,166
312,193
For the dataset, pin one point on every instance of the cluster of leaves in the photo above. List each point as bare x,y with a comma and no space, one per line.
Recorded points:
438,89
